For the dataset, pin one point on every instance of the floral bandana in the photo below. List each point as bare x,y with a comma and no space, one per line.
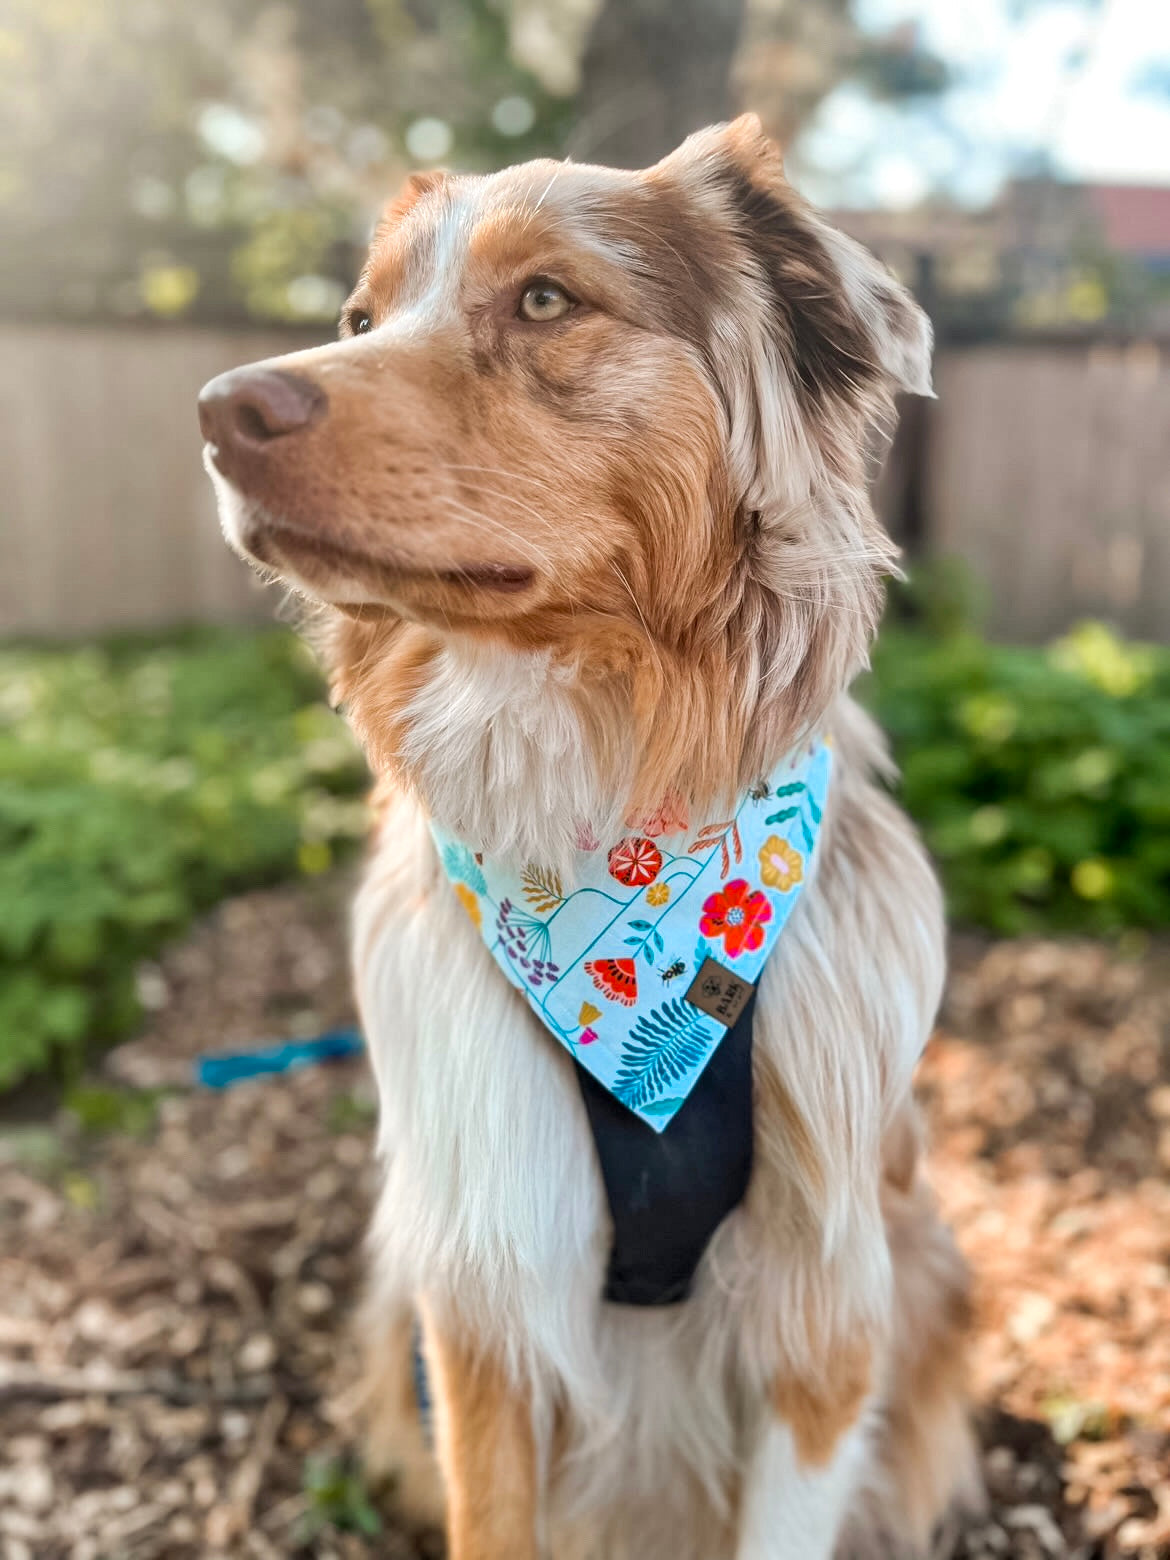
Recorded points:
641,967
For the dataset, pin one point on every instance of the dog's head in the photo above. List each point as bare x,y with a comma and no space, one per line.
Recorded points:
617,420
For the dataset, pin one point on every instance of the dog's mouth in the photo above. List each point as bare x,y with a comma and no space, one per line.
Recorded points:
344,572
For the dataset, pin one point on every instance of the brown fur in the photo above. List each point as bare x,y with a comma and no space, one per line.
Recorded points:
396,1448
485,1444
820,1409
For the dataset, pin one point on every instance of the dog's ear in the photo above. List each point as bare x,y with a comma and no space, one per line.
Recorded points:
810,338
841,318
416,185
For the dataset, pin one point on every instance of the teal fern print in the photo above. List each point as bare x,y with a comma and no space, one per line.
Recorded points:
461,865
663,1047
806,809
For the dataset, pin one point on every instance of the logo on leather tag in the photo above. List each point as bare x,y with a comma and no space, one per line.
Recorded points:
719,992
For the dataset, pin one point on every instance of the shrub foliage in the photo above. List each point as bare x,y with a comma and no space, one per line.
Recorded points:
137,786
1040,777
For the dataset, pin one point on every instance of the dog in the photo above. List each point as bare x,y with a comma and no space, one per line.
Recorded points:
580,497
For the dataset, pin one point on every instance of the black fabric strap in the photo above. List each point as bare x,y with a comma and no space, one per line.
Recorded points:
669,1191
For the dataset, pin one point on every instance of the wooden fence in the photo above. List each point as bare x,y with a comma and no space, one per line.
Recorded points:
1047,468
107,520
1048,471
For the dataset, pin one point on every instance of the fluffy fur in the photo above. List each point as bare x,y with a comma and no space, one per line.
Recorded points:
571,571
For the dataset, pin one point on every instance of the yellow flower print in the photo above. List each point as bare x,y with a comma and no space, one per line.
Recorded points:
780,866
588,1013
657,894
469,902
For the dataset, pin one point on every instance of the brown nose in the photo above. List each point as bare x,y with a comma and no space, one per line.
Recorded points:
249,407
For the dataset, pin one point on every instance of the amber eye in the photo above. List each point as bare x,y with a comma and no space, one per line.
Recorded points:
543,301
359,322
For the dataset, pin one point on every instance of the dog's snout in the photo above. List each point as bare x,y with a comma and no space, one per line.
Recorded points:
248,407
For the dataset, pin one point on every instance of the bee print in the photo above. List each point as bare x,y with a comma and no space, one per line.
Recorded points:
760,791
673,971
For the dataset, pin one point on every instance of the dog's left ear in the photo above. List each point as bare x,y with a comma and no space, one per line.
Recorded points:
841,318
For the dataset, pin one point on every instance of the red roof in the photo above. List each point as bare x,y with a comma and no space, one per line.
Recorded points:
1135,218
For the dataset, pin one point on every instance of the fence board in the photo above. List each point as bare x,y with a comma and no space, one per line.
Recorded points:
1049,472
107,520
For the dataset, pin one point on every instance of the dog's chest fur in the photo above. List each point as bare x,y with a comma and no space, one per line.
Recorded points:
492,1202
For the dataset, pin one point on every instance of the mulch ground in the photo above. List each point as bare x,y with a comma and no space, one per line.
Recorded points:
176,1379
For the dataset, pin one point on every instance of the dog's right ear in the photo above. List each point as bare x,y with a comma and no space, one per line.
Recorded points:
841,318
416,186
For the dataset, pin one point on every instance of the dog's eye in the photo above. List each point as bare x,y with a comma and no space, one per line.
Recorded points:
359,322
543,301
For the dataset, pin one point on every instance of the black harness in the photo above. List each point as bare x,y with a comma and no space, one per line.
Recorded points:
669,1191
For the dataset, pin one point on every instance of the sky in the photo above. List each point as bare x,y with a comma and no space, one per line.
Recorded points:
1067,79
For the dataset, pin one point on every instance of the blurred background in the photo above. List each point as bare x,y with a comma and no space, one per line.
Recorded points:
187,187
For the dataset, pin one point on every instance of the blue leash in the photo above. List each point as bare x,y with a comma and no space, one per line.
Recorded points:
221,1069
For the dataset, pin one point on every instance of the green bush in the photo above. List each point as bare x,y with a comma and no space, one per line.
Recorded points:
1041,777
138,785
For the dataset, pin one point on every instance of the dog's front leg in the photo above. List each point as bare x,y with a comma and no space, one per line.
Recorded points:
793,1508
803,1465
487,1451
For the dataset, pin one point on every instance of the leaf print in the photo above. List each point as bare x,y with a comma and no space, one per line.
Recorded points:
807,804
542,888
663,1047
783,817
718,834
666,1107
641,942
470,903
459,863
527,943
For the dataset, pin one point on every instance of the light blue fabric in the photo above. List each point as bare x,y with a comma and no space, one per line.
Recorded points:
606,962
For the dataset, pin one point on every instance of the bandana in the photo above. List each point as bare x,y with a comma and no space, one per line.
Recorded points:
643,963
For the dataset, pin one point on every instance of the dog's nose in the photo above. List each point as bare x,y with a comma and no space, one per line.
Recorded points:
247,407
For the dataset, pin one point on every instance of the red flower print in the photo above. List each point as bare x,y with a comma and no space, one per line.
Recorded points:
738,914
616,979
635,862
586,839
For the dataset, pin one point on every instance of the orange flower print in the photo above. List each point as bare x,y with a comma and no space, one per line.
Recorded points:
616,979
672,817
470,902
635,862
780,866
657,894
738,914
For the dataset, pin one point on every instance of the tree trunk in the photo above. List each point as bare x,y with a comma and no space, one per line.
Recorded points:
653,71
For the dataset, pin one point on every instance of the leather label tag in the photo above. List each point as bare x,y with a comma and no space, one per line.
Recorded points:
719,992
